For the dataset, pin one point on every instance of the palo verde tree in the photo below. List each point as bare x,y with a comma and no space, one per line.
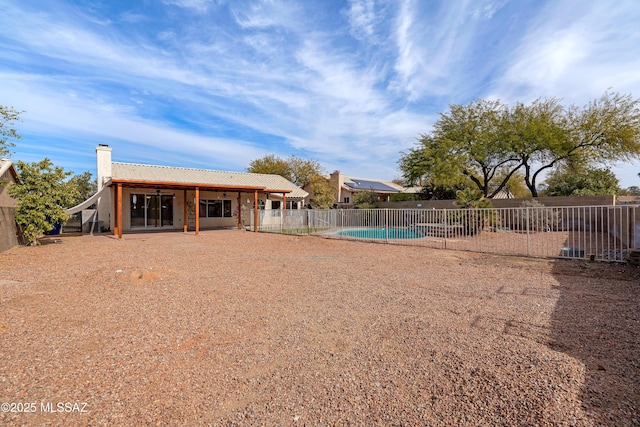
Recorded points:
604,131
474,141
8,116
467,143
489,142
43,193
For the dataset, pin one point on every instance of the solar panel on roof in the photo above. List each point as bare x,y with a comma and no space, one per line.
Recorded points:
370,185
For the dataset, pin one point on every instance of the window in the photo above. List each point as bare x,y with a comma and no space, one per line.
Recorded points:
345,200
275,204
292,204
215,208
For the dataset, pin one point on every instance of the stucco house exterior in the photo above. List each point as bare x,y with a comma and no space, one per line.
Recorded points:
138,197
8,227
345,187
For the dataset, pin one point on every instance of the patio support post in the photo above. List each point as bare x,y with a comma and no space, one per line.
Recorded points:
185,218
119,212
115,210
197,203
255,211
284,209
239,210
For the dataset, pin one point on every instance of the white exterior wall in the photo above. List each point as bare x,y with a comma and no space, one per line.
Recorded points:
178,207
104,205
223,221
178,214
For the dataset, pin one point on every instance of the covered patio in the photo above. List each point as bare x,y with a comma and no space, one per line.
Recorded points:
254,192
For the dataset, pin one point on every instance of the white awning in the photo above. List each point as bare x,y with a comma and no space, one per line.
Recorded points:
91,200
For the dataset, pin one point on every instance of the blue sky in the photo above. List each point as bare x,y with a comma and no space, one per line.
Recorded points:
351,84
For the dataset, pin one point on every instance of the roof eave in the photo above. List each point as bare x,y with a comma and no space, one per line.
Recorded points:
188,185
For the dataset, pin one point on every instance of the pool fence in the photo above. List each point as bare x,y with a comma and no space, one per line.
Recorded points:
598,233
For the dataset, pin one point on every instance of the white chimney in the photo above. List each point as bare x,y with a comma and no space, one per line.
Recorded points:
103,158
103,171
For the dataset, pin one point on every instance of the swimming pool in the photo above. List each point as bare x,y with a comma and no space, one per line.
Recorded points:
379,233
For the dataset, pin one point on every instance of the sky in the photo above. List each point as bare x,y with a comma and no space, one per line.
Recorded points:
351,84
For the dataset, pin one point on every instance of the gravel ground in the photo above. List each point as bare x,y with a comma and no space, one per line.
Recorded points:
239,328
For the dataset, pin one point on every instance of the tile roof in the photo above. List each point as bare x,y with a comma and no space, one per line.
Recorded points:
170,174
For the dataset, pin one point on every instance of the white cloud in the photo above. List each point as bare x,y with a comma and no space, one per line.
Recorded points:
53,114
362,18
199,6
263,14
576,54
350,88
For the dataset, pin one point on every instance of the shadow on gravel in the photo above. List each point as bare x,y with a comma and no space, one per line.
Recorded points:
597,321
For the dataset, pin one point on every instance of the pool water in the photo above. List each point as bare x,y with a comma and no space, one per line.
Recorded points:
379,233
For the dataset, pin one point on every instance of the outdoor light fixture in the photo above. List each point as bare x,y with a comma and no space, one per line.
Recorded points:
267,196
224,194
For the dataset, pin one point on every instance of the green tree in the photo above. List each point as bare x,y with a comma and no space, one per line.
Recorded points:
516,185
8,116
605,130
84,185
489,142
302,170
295,169
468,142
474,141
404,197
582,182
42,193
431,191
271,164
536,134
365,199
321,192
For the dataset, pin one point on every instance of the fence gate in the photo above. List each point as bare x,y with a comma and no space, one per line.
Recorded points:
74,225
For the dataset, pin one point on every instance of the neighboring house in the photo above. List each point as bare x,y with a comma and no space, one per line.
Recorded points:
150,197
505,193
345,187
8,227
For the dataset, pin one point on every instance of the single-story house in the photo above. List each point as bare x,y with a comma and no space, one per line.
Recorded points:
345,187
134,197
8,228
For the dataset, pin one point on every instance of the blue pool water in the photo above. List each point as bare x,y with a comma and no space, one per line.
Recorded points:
379,233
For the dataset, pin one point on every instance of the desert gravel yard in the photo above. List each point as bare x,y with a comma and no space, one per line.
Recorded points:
239,328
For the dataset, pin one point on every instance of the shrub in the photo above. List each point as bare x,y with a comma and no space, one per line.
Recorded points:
404,197
534,216
42,194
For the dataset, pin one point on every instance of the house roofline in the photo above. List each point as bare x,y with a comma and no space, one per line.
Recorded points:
191,185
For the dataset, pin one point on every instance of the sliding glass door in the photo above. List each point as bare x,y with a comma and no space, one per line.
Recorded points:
151,210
